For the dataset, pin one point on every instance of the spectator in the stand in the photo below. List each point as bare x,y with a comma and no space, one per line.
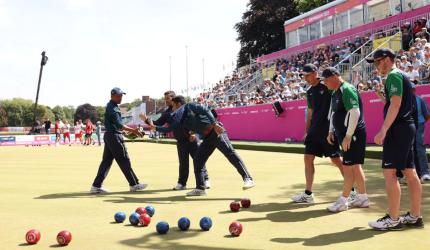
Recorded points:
406,36
424,34
403,63
415,62
417,28
412,73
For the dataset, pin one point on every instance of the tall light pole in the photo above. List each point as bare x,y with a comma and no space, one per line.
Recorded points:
43,62
170,71
186,66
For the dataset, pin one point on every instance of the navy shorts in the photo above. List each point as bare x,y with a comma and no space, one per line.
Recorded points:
398,152
357,151
318,146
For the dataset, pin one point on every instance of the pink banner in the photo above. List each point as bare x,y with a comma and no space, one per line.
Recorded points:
259,122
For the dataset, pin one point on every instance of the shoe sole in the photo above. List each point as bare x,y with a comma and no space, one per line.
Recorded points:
140,189
305,202
396,228
195,195
246,188
338,211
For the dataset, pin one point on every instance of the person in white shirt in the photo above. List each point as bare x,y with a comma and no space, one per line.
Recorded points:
415,62
66,132
412,73
78,133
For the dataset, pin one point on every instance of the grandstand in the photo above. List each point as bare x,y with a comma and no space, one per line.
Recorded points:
341,34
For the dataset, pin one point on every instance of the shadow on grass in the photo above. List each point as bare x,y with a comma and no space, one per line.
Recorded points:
354,234
170,241
289,216
24,245
272,206
89,195
164,200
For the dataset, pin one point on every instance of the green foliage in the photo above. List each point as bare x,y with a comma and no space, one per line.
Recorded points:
86,111
19,112
261,30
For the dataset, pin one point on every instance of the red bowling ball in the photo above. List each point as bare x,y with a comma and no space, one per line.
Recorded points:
246,203
145,219
235,206
64,237
141,210
235,228
32,236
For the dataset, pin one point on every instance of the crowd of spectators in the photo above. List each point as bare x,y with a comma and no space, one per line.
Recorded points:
287,84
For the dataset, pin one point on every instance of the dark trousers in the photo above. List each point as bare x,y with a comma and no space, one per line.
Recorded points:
115,149
185,150
207,147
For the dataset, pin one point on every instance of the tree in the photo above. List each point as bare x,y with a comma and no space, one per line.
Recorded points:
304,6
261,30
19,112
136,102
3,117
58,113
86,111
101,113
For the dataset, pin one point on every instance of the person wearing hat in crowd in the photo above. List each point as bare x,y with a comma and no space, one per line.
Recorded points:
186,144
347,125
412,73
317,126
397,136
115,148
199,119
423,115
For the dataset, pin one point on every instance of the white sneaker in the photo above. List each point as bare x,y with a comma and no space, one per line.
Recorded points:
352,196
360,201
303,198
207,184
100,190
340,205
425,178
248,183
402,181
412,221
197,192
138,187
386,223
179,186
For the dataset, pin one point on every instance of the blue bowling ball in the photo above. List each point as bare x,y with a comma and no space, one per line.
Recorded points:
134,219
120,217
205,223
162,227
150,210
184,223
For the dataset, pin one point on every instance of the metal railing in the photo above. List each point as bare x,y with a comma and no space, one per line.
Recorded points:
246,85
349,66
364,70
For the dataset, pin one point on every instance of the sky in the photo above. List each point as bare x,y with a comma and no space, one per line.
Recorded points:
95,45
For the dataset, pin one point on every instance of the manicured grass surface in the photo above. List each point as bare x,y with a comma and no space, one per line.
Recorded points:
47,188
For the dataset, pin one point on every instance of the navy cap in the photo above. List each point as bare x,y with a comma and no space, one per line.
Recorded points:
117,91
381,53
330,71
309,68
